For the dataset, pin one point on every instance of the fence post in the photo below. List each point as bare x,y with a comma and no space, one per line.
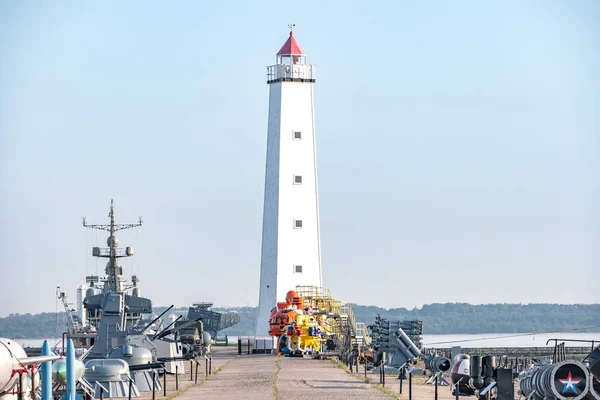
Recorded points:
401,379
164,382
130,383
153,384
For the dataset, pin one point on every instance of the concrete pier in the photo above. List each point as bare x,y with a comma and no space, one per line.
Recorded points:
260,376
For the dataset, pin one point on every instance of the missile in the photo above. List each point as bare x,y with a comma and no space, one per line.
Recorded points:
46,373
14,361
59,371
71,393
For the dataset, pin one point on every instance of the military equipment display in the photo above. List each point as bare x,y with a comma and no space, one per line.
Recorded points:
14,365
566,380
213,321
459,375
437,365
593,360
389,338
118,343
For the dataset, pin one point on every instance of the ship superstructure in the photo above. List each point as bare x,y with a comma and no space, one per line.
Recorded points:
113,297
110,310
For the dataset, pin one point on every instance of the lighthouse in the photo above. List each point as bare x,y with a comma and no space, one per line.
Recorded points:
291,250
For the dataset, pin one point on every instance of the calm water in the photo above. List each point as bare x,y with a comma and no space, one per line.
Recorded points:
479,340
506,339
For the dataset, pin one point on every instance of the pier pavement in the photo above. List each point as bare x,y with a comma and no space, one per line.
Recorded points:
266,376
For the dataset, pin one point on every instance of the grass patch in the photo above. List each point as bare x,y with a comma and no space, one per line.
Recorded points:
387,391
362,378
274,383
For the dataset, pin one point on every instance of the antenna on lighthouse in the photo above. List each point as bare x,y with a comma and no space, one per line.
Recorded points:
291,26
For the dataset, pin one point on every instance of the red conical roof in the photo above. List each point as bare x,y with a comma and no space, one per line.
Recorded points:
290,47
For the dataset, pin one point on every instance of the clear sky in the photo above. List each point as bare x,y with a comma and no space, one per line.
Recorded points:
458,147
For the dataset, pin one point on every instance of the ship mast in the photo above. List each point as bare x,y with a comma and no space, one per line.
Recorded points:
113,252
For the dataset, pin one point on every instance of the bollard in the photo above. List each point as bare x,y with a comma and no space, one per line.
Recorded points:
197,365
153,384
176,376
383,373
365,368
206,365
191,370
164,382
436,387
210,365
248,345
410,387
129,395
239,346
101,393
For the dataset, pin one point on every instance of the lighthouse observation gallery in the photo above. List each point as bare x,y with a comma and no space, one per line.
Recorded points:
291,253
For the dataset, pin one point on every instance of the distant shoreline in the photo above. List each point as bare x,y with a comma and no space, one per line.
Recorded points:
437,318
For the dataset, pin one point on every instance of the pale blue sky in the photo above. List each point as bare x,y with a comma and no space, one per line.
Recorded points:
457,144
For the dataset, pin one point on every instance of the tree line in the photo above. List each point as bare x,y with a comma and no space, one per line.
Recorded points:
438,318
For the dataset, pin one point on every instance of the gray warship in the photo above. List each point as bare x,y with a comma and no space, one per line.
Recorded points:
117,343
114,336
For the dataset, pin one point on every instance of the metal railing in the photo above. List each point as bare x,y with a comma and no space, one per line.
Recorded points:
291,71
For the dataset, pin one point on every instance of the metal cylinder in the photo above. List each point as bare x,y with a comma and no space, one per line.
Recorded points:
566,380
437,364
594,367
409,343
594,360
476,380
488,366
594,393
475,367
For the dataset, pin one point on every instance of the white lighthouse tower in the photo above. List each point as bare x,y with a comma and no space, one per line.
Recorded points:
291,253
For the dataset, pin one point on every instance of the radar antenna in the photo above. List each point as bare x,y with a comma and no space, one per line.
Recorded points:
113,270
